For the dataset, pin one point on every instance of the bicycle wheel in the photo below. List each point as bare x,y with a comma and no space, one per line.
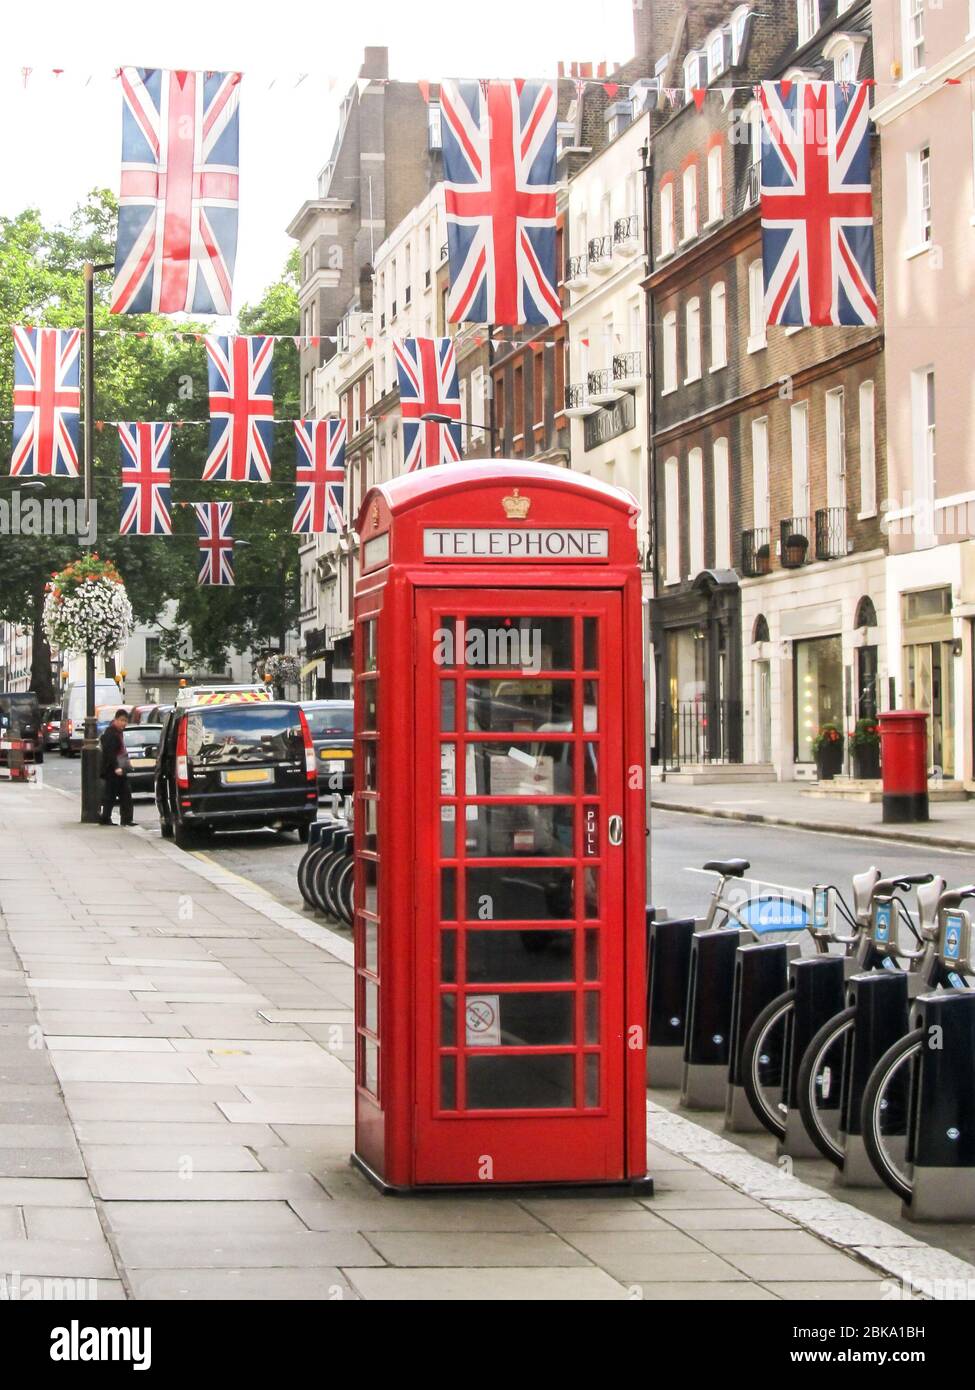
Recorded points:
306,869
763,1059
343,891
317,883
820,1084
886,1105
330,883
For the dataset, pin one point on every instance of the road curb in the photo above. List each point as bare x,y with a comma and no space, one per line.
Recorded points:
870,832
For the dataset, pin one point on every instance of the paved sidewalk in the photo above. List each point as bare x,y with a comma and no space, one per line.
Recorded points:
952,823
176,1117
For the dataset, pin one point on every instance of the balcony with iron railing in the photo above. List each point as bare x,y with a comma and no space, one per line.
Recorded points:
794,541
601,254
577,402
577,272
756,552
626,235
628,370
444,252
831,537
603,389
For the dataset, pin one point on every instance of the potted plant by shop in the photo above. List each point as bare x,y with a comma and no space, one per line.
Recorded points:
865,746
794,550
827,748
763,560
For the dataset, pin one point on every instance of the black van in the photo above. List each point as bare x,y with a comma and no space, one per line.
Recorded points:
236,766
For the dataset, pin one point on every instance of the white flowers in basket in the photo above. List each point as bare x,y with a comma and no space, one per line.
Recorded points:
86,607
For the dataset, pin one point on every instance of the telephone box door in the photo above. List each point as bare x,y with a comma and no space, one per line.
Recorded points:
520,886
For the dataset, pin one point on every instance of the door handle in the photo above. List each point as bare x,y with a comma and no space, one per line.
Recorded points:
615,830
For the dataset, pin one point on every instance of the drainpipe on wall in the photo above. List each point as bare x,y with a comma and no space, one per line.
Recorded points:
646,157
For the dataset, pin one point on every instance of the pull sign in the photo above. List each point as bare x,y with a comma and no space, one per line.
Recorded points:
615,830
591,832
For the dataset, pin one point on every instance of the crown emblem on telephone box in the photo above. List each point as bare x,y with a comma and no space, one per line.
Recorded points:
516,507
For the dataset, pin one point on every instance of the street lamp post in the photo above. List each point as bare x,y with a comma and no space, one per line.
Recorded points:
432,418
90,798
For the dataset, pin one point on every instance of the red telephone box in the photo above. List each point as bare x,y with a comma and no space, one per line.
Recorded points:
499,830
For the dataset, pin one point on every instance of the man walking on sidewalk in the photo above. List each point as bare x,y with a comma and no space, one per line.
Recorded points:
115,771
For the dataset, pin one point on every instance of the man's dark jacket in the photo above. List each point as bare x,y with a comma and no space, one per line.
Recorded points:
112,744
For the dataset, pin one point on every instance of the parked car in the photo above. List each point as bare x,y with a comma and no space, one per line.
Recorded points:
104,714
71,734
50,726
142,747
20,718
143,714
330,722
236,767
220,694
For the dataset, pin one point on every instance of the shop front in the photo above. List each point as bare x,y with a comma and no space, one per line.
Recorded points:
697,641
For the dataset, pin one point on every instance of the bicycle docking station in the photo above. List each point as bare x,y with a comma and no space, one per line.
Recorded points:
707,1043
761,975
880,1002
668,976
818,982
941,1110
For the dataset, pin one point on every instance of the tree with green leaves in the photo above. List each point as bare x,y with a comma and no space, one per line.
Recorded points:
161,376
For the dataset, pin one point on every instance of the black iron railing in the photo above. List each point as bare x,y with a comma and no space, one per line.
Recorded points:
577,268
600,382
756,552
576,397
625,229
627,365
794,541
444,251
753,186
600,250
699,731
830,533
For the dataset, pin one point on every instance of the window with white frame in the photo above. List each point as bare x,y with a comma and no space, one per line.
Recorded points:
719,327
722,506
667,217
478,413
670,352
692,74
868,450
836,448
760,479
693,340
913,19
808,20
671,522
690,202
919,198
463,391
799,428
757,338
924,460
754,118
715,183
695,511
715,51
738,22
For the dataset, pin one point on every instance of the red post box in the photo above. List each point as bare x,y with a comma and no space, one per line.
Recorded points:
904,764
499,831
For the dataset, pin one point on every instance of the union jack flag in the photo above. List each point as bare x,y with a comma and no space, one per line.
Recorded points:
241,410
427,371
319,476
177,226
817,205
145,480
47,401
499,176
216,542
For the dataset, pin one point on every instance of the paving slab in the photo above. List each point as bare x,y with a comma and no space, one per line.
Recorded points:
189,1218
204,1187
499,1284
246,1249
63,1223
259,1285
162,1158
87,1259
435,1214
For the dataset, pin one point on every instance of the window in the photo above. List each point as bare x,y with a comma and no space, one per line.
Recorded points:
519,401
538,389
693,340
667,216
671,522
919,198
670,352
692,74
715,55
152,656
754,118
808,20
868,451
756,307
760,483
715,184
464,387
690,202
845,63
719,328
722,506
836,449
695,510
478,404
799,426
408,275
738,21
434,135
913,36
923,413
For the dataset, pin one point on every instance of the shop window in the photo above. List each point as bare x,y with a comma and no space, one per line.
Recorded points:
818,691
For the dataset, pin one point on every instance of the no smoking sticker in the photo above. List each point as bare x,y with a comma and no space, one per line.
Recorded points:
482,1019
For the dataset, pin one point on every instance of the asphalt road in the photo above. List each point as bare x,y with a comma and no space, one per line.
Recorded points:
786,859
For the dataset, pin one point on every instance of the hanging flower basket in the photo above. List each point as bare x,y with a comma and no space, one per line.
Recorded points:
280,670
86,607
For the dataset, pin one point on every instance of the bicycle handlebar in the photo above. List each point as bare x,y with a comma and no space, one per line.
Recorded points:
884,887
956,896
